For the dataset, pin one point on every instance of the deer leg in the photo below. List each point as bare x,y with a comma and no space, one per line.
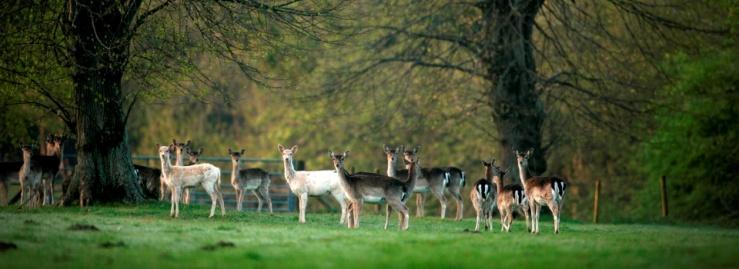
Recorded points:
350,214
554,208
264,191
210,189
342,202
460,204
442,202
406,217
357,211
220,198
260,200
162,188
303,203
186,197
387,214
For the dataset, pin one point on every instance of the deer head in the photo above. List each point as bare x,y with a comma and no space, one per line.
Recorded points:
522,158
392,153
287,154
338,159
165,151
194,156
181,148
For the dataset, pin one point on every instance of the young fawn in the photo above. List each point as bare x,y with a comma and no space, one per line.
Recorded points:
253,179
509,198
540,191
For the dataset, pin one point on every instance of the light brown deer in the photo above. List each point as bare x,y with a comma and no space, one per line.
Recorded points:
539,191
375,188
510,198
483,200
252,179
180,177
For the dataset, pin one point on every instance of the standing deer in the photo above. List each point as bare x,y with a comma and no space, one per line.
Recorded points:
253,179
179,177
30,178
181,149
539,191
311,183
483,200
432,180
374,188
509,198
455,186
194,156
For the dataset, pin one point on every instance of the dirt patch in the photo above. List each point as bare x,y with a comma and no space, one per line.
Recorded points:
220,244
109,244
83,227
5,246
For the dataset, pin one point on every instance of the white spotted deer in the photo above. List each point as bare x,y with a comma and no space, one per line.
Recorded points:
540,191
374,188
252,179
311,183
483,199
509,198
179,177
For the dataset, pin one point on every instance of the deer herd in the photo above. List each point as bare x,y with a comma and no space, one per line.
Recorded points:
36,175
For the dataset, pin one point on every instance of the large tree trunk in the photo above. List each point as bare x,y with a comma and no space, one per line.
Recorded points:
104,171
511,69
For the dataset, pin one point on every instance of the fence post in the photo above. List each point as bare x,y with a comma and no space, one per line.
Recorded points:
596,199
663,194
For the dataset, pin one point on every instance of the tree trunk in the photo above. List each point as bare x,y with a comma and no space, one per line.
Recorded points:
104,170
509,60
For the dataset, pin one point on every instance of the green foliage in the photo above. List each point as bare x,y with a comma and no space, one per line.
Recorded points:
696,140
143,236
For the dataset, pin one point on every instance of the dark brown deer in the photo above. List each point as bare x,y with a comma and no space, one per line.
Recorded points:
457,182
376,188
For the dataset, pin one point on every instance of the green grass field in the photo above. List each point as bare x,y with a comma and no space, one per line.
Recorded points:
144,236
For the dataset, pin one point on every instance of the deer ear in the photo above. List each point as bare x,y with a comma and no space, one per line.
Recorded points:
416,148
188,142
493,161
331,154
346,154
200,151
242,151
386,147
174,141
229,151
294,149
280,147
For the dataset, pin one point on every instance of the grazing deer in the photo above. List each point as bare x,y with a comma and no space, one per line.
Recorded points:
253,179
311,183
150,180
8,171
375,188
179,177
483,200
433,180
455,186
540,190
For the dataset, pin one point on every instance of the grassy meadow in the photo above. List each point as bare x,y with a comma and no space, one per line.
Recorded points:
135,236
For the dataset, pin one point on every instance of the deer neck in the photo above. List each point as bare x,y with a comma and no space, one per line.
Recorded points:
289,169
166,164
522,174
26,161
391,172
344,179
498,184
178,158
235,169
413,171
